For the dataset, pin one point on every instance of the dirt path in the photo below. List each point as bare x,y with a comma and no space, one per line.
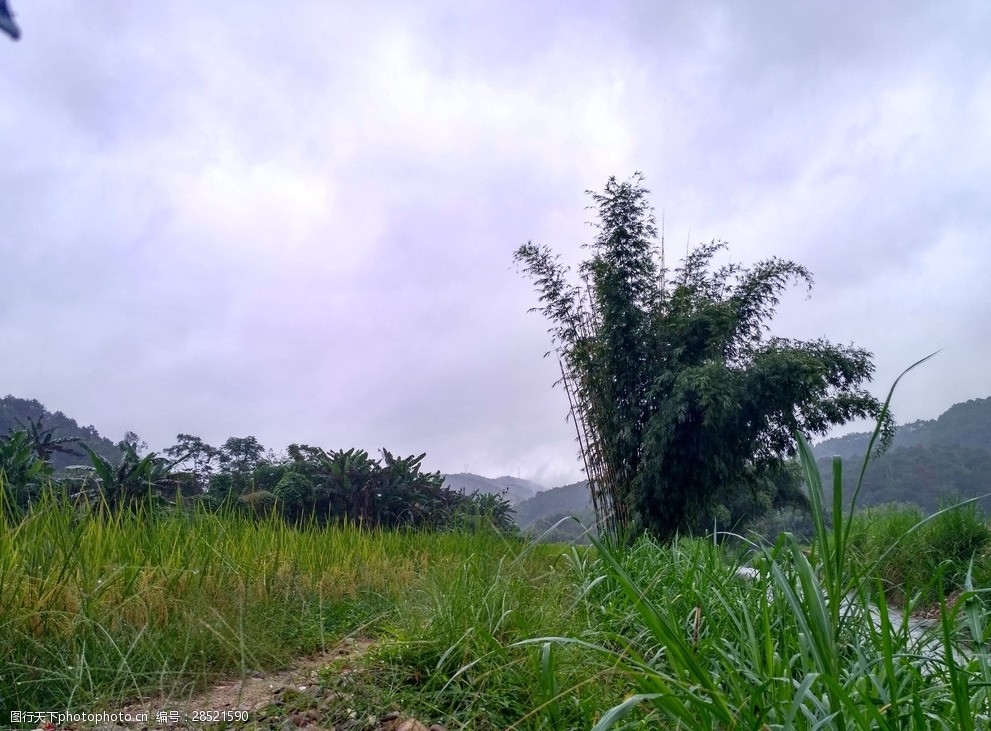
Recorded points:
290,699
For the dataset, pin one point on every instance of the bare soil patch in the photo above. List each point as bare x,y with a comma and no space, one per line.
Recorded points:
292,699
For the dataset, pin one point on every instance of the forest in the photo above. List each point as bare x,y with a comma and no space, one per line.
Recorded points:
41,452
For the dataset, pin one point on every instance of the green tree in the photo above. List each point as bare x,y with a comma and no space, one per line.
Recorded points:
678,394
192,452
294,493
241,455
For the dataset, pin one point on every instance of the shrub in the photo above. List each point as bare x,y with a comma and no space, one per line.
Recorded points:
259,502
930,560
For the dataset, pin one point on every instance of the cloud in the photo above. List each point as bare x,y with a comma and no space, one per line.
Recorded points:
224,218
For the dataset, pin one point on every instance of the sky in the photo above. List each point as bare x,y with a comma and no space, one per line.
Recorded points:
297,220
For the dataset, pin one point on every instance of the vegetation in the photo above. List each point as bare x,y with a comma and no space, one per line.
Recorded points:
918,565
101,602
681,401
308,484
926,476
17,414
98,606
966,424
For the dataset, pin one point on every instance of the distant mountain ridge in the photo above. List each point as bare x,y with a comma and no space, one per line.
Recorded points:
573,499
966,424
515,488
931,463
546,514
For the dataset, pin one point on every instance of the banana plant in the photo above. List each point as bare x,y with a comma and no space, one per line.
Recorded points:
44,443
134,477
22,473
351,482
406,495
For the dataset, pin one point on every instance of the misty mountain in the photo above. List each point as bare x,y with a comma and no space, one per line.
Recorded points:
559,501
930,476
545,515
967,424
931,462
16,413
514,488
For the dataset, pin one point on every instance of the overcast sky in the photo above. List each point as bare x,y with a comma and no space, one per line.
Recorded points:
297,220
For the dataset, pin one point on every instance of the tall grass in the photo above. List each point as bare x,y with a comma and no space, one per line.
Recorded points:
919,560
484,633
98,606
810,644
454,654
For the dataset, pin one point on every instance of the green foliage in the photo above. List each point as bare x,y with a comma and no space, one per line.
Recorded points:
481,512
394,492
926,475
294,489
741,505
678,394
259,502
22,471
920,565
55,431
133,480
294,494
460,648
44,442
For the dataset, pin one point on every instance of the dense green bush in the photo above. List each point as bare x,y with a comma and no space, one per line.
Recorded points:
916,559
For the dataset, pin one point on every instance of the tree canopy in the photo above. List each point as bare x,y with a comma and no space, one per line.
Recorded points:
681,398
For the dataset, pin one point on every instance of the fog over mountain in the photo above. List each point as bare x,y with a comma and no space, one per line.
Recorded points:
513,489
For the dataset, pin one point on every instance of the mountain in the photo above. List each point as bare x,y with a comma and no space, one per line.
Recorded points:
545,514
930,463
930,476
16,413
514,488
568,500
967,424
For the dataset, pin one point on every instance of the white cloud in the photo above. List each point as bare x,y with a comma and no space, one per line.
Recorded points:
221,219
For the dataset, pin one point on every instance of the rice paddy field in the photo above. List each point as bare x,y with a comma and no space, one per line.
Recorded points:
478,631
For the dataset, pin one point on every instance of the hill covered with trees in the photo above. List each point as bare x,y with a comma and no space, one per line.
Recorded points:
930,464
967,424
513,489
547,514
31,415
